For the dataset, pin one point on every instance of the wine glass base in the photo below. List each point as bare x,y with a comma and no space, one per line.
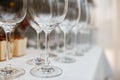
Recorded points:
46,71
78,54
11,73
51,55
36,61
65,60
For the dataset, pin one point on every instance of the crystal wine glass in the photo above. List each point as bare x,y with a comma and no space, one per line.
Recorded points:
81,25
38,60
70,21
84,29
11,13
45,13
87,29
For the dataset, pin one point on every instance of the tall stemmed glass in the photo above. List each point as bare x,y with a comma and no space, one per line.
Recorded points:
11,13
38,60
81,25
45,13
87,29
84,29
70,21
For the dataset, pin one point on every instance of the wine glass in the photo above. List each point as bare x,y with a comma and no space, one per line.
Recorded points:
80,27
11,13
38,60
88,29
70,21
85,29
45,13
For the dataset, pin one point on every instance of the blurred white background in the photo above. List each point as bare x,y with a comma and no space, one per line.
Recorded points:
106,18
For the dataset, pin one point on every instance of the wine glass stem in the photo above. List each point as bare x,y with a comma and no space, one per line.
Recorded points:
87,13
58,43
83,36
75,42
87,40
65,34
8,34
38,41
90,40
46,49
8,29
81,42
38,44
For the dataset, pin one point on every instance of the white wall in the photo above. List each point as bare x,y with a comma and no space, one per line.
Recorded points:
106,21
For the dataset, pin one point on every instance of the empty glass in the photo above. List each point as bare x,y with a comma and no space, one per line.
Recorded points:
38,60
11,13
83,23
45,13
70,21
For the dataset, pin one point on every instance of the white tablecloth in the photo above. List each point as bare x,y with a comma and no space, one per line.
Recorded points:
89,67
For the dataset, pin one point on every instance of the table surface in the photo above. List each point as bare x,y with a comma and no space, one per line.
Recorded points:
84,68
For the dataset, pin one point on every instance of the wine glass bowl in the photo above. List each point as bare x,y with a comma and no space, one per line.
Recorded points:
41,13
48,14
12,12
72,16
